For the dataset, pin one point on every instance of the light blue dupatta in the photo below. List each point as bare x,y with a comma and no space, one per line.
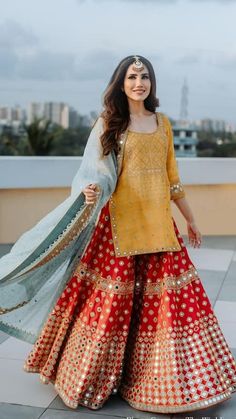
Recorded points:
34,273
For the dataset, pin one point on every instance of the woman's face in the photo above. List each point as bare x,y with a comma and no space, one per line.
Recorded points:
137,84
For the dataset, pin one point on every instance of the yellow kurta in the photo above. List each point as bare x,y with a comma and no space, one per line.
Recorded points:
140,208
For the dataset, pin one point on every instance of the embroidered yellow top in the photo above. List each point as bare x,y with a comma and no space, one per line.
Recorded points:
140,209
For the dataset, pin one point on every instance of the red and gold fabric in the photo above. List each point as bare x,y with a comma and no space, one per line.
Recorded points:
139,325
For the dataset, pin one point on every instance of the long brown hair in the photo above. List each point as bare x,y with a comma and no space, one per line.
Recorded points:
116,109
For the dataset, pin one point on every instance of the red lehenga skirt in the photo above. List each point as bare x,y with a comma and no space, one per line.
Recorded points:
139,325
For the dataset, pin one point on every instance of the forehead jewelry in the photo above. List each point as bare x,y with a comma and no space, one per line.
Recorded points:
137,64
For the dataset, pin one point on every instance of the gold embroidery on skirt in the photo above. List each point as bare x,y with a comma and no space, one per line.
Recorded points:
153,373
158,364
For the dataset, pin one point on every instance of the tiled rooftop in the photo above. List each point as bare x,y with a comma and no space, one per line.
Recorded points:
23,396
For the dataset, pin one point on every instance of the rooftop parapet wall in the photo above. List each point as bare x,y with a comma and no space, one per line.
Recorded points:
30,187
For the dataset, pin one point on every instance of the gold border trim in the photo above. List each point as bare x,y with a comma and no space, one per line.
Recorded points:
73,229
101,283
204,404
70,233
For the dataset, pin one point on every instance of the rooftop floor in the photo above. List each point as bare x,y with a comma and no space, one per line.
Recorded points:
23,396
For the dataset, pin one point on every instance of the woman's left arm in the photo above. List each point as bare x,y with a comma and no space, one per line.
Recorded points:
177,192
194,234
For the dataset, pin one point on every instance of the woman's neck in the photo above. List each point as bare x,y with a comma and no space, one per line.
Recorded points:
138,110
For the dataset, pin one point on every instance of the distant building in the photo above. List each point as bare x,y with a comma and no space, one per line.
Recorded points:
4,113
212,125
57,112
10,114
65,117
35,111
18,114
53,112
185,140
69,117
12,119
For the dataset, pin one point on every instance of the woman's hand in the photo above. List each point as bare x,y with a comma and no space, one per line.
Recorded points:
90,193
194,235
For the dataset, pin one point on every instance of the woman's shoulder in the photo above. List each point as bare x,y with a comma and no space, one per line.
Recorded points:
165,121
163,117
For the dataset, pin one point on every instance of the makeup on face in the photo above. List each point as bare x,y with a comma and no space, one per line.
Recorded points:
137,84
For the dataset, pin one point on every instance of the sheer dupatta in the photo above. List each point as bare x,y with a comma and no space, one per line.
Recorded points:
35,271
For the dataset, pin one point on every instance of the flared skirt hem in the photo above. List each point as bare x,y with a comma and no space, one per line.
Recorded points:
142,327
74,404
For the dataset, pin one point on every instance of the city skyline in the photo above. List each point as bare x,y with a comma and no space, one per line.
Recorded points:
64,114
69,53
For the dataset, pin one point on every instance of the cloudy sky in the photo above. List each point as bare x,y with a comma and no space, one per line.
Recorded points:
66,50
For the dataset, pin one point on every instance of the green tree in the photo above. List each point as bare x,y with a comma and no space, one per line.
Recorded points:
216,144
35,139
225,150
41,135
71,142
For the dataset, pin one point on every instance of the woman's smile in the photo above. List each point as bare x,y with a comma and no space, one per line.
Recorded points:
139,91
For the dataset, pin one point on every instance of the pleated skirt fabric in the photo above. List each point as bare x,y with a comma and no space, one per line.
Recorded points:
141,326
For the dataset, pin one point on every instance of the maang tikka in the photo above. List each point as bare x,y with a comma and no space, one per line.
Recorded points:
137,64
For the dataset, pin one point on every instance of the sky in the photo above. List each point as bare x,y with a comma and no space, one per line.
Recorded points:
66,50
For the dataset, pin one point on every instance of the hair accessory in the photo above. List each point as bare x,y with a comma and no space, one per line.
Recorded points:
137,64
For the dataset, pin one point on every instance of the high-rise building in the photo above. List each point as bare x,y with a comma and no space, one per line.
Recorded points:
10,115
53,112
57,112
4,113
73,118
17,114
35,110
65,117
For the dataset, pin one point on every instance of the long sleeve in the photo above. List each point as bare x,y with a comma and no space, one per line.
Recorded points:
176,187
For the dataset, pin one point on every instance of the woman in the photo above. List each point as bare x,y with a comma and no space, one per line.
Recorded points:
130,314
